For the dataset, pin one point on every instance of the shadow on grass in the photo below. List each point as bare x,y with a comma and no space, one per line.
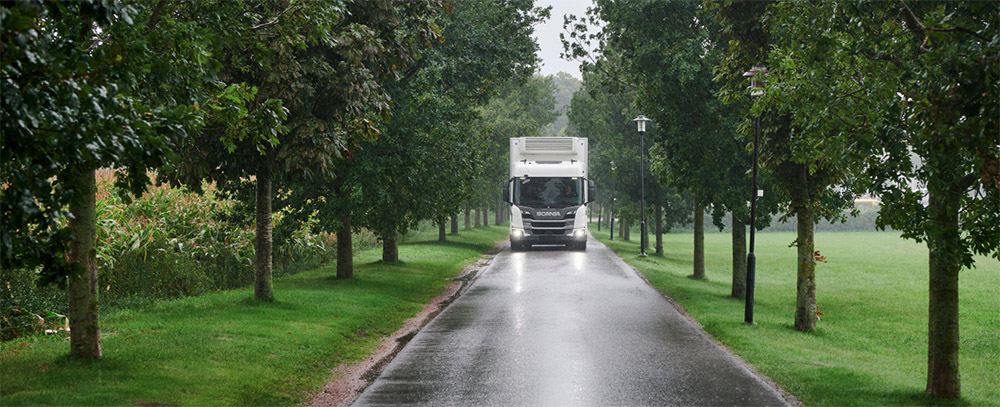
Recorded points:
838,381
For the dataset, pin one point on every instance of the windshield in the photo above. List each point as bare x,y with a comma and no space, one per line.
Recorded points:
548,191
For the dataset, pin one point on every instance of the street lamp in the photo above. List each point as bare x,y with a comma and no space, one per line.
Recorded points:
641,125
612,214
756,75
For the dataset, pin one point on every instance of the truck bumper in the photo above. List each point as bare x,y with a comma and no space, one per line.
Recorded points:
528,240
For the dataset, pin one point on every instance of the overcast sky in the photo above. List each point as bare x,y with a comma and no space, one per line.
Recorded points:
547,35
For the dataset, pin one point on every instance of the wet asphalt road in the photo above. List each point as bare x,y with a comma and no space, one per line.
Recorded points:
560,328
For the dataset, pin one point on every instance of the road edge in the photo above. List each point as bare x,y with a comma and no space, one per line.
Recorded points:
350,380
788,397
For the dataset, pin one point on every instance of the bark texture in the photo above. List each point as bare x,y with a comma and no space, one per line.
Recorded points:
739,231
263,288
390,250
627,237
944,244
454,224
659,229
498,220
479,218
699,240
805,298
345,252
441,232
468,219
85,332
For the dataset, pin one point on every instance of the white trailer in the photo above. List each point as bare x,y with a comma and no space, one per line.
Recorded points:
548,192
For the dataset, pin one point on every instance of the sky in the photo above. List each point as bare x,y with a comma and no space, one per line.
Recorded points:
547,35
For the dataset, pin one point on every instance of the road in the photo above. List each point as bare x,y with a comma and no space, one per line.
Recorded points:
564,328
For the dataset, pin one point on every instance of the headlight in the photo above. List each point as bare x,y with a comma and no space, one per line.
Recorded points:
517,233
579,233
571,212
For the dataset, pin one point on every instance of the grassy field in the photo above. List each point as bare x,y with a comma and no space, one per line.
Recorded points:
226,349
870,347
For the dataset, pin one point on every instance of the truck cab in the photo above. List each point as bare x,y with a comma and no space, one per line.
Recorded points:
548,192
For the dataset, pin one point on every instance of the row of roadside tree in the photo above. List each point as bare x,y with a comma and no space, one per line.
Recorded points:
343,114
893,99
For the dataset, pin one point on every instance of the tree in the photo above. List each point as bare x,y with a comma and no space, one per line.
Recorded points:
908,81
523,108
418,166
313,75
566,85
695,149
84,88
810,182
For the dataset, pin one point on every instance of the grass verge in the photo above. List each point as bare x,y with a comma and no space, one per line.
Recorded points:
870,347
226,349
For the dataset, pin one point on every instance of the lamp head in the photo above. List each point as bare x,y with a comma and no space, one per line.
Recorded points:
641,123
756,75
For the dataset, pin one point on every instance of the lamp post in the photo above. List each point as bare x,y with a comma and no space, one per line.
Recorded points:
612,214
756,75
641,125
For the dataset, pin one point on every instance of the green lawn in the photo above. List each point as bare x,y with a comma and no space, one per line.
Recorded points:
870,347
226,349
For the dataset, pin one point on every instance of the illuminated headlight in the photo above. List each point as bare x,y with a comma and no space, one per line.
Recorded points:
579,233
517,233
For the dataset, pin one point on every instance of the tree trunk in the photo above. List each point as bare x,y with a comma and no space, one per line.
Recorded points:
600,216
441,232
739,231
486,216
626,225
263,288
390,249
85,332
944,244
659,228
805,299
699,239
454,224
645,233
468,219
478,215
499,218
345,252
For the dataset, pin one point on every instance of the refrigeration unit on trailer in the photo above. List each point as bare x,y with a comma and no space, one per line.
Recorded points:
548,192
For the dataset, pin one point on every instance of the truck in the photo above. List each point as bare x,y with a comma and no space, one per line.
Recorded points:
548,192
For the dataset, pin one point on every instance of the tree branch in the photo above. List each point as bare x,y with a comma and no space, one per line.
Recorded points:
273,21
958,29
154,18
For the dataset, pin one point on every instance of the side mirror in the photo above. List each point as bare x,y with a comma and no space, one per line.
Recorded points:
591,191
506,191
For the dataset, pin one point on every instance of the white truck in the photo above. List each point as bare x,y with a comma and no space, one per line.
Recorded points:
548,192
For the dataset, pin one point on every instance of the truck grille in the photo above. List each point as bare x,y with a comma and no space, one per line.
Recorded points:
560,227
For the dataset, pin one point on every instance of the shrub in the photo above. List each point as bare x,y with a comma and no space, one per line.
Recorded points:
166,244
